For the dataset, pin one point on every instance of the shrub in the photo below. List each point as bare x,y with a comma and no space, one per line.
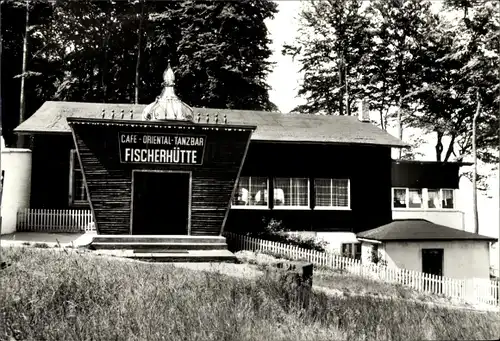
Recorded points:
276,231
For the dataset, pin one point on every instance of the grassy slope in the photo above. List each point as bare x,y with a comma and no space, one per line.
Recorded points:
49,295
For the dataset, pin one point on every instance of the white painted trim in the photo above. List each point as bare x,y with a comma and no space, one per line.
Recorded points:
373,241
284,207
331,208
250,207
73,157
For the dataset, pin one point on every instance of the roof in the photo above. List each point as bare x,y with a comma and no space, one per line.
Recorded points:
271,126
419,229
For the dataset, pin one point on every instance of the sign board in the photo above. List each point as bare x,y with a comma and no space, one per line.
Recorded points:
155,148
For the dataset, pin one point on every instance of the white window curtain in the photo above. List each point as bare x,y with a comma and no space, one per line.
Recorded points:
292,192
332,192
251,191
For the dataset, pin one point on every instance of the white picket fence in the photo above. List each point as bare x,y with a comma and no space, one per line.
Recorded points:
46,220
472,290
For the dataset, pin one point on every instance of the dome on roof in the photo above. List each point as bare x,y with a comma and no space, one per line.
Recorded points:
168,106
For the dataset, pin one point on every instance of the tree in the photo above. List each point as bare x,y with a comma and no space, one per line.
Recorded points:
398,52
222,53
219,51
333,38
465,63
15,29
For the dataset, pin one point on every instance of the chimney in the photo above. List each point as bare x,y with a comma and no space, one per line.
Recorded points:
363,111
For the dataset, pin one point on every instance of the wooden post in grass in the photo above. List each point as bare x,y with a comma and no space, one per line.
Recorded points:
295,278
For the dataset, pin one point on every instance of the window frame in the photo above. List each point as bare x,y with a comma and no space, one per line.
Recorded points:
441,198
293,207
422,198
252,207
425,199
73,161
393,196
354,250
333,208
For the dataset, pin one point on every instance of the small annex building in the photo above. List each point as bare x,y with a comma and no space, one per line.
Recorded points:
420,245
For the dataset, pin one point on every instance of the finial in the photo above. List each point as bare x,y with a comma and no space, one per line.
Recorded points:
122,114
198,118
112,113
208,117
103,113
216,118
131,114
225,119
168,76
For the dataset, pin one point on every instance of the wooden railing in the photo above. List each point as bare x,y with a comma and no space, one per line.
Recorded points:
471,290
45,220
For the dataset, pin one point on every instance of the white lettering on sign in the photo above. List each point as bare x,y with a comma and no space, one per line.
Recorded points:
175,155
129,138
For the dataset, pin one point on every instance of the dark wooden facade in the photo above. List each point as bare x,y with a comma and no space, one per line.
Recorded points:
367,167
414,174
110,181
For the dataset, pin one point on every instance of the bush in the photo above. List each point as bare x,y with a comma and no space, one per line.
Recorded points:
274,230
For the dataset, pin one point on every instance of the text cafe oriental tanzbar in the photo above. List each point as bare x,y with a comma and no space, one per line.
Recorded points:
167,174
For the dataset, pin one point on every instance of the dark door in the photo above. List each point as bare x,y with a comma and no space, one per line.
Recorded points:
160,203
432,261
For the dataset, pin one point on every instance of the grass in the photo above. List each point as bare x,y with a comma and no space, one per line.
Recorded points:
52,294
349,283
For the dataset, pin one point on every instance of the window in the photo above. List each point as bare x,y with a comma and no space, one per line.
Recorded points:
251,192
448,198
77,191
399,197
332,193
423,198
415,198
433,198
351,250
291,192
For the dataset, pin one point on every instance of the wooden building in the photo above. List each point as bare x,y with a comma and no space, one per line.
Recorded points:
312,172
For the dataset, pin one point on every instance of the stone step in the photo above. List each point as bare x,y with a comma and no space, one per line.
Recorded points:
190,256
129,245
157,239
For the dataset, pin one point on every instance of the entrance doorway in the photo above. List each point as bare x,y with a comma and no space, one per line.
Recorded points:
432,263
160,203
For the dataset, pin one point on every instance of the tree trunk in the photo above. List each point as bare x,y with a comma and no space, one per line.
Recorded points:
138,62
341,85
382,119
22,101
347,105
439,146
400,124
451,148
474,175
1,184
